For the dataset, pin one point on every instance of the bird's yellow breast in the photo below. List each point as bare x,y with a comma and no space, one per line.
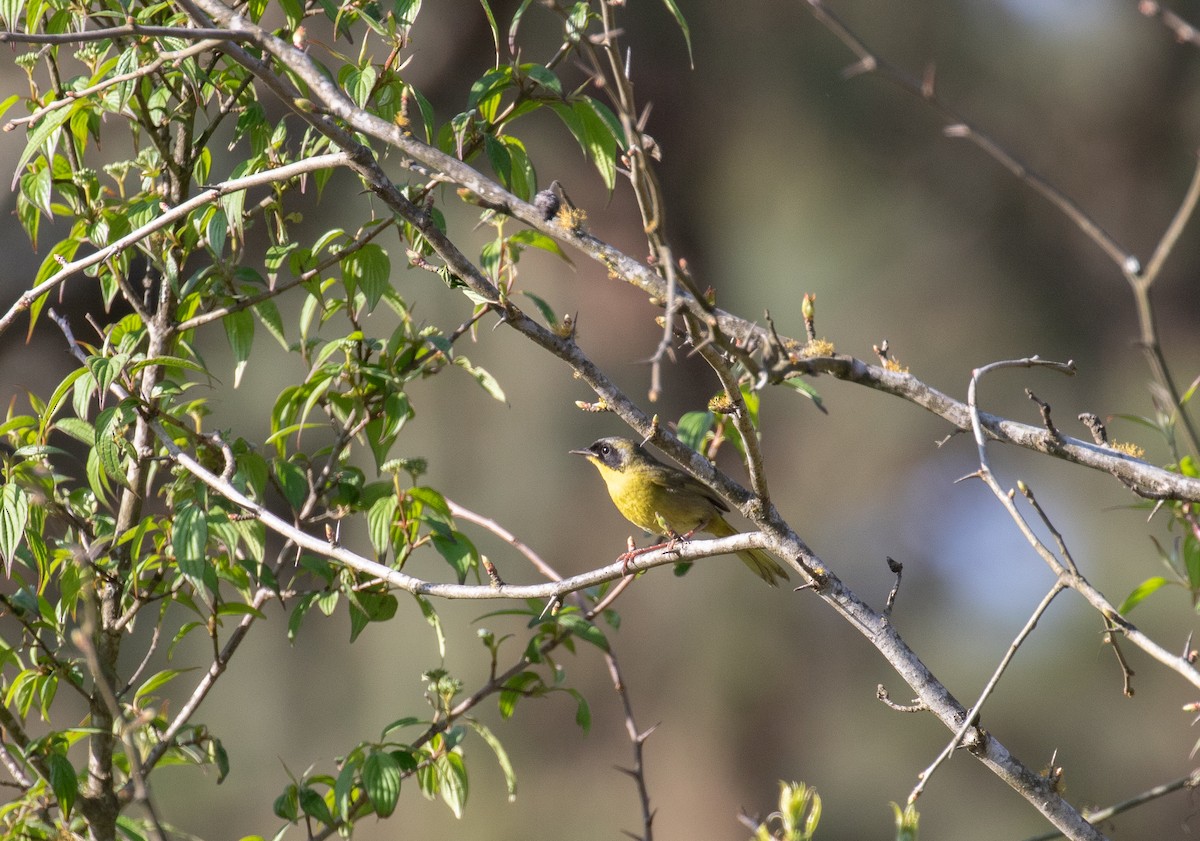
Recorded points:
649,504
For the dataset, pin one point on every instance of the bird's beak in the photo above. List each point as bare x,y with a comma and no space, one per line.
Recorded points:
584,453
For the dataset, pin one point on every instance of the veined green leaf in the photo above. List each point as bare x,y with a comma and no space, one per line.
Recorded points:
239,330
381,781
156,680
692,428
41,133
63,781
14,514
673,8
510,775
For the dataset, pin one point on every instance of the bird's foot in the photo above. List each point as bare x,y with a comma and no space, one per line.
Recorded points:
632,551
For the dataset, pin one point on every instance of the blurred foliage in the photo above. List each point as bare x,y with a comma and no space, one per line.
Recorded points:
175,180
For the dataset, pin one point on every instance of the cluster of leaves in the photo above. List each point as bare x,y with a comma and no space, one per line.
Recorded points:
1180,558
100,525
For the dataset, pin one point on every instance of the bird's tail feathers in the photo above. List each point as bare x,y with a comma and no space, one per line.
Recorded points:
760,563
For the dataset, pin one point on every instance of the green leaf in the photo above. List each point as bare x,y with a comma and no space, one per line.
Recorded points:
683,27
156,680
14,514
516,688
1191,561
369,270
432,618
189,541
63,781
360,84
536,239
166,362
314,805
458,551
490,384
296,617
42,132
381,781
599,139
293,481
544,76
487,10
804,387
453,774
110,432
583,629
583,712
515,25
500,160
287,805
485,93
239,330
268,314
216,231
380,518
510,775
344,788
36,187
1140,592
692,428
370,607
544,308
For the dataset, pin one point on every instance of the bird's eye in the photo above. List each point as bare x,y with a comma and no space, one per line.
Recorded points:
605,450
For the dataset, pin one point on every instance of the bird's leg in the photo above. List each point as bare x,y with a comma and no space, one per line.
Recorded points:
631,552
634,552
682,538
673,538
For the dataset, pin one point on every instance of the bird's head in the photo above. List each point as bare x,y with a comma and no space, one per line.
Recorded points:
615,454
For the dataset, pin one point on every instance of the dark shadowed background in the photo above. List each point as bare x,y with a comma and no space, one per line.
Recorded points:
781,177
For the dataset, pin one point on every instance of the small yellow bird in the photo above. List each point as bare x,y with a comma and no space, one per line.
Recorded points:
652,495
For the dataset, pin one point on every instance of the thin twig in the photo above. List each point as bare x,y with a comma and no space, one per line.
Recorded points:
741,414
131,29
73,96
169,216
1100,815
956,126
988,689
82,638
1066,576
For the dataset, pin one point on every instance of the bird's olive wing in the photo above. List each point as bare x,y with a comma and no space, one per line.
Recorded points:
678,482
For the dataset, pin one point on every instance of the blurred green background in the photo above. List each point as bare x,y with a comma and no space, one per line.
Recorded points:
781,178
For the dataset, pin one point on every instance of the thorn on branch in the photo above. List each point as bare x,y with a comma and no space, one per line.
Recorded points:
1096,427
1044,408
551,608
